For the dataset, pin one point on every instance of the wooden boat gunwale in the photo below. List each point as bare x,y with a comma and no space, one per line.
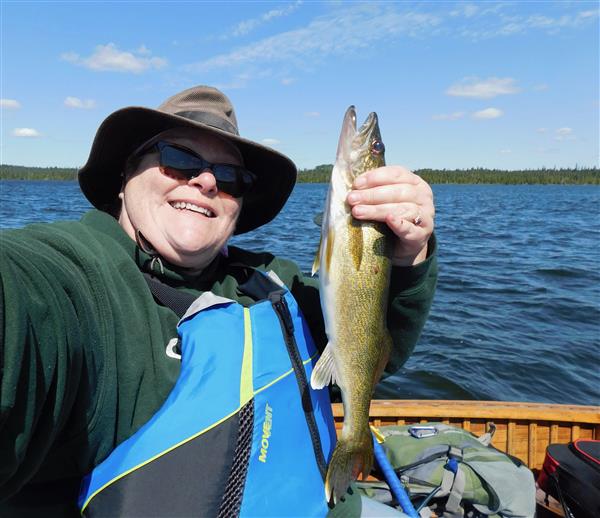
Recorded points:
480,410
523,429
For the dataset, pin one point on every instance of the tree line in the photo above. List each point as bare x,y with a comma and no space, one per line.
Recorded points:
322,174
584,175
19,172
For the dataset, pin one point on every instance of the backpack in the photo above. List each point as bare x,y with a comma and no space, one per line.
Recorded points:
571,474
456,473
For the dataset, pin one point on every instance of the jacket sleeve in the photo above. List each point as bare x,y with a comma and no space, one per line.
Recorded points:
410,297
42,321
411,293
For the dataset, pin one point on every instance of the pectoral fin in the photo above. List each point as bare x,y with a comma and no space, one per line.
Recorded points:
317,261
324,372
328,244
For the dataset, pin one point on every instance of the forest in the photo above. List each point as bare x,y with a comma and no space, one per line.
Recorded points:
587,175
322,174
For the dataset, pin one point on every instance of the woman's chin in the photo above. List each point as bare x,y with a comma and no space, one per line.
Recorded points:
191,254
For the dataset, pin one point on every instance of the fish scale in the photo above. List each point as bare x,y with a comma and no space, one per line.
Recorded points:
354,263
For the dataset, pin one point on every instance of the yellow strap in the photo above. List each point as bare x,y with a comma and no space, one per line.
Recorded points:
246,384
378,435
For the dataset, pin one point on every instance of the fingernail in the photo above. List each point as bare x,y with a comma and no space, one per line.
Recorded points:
358,211
353,198
361,181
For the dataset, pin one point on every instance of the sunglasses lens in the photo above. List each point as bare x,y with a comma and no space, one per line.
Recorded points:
233,180
175,159
184,165
176,174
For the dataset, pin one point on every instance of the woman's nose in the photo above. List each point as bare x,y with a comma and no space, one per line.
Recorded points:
205,181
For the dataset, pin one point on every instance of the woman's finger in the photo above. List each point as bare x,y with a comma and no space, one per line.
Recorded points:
386,175
390,193
406,210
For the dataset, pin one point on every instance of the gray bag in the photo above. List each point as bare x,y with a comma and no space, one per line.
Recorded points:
458,471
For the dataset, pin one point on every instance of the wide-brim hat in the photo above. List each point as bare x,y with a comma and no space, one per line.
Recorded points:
201,107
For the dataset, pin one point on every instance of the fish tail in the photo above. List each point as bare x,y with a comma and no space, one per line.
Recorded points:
350,458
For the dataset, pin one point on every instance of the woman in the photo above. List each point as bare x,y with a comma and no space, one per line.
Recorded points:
91,349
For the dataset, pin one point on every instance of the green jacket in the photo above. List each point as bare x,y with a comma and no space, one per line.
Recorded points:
83,354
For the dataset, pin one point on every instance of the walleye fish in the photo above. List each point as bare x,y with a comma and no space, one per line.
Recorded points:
354,263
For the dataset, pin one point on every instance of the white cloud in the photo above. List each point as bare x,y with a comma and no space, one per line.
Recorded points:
541,87
564,131
488,113
11,104
564,134
246,26
466,10
350,28
76,102
506,151
110,58
448,116
270,141
325,36
286,81
483,89
313,115
542,130
502,21
26,132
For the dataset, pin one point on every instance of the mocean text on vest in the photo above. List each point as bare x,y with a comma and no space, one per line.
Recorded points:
264,443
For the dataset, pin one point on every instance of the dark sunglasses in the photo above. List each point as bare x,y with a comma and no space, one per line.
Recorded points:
181,163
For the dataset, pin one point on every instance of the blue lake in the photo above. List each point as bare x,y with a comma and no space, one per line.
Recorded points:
516,315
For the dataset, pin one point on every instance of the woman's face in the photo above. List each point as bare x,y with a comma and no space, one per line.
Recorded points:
186,221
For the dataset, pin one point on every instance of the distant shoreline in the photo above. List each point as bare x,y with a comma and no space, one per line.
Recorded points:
322,174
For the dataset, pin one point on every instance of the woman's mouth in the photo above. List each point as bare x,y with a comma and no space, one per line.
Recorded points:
182,205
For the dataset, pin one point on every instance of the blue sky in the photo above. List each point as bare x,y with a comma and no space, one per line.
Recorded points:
455,84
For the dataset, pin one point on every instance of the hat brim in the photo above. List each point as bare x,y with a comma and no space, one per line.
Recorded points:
128,128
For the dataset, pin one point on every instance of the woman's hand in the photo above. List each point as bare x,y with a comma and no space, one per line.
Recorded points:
401,199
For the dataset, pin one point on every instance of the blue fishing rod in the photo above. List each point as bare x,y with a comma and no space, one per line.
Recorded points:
391,478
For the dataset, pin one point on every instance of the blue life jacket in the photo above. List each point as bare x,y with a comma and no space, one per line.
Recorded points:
241,433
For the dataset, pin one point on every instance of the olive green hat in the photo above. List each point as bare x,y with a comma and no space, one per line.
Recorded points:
201,107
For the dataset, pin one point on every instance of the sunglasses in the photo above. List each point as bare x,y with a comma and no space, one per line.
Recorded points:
181,163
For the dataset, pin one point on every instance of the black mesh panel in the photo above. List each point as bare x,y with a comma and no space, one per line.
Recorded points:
232,498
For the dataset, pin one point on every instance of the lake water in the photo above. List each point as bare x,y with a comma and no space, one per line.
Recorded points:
516,316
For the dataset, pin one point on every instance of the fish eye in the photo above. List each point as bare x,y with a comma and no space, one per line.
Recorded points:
377,147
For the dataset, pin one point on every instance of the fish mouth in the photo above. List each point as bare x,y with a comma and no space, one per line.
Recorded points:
368,126
347,135
352,139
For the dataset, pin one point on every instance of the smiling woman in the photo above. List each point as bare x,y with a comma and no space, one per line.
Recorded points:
185,221
140,348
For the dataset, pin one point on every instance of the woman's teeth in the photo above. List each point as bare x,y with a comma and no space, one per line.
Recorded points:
194,208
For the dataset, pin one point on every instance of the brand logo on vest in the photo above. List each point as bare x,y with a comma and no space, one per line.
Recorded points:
173,349
264,443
